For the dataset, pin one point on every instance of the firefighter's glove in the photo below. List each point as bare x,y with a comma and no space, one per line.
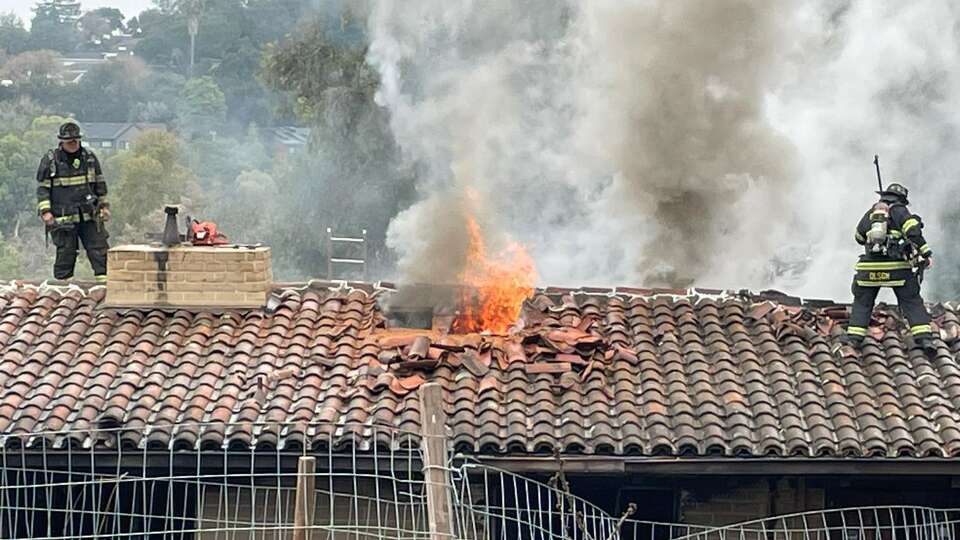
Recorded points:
47,218
928,262
105,214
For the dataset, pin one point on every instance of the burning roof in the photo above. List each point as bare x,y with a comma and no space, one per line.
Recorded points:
624,371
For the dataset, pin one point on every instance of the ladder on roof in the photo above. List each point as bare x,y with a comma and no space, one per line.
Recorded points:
346,252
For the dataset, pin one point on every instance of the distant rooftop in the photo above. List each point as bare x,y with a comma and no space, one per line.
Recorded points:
113,130
287,135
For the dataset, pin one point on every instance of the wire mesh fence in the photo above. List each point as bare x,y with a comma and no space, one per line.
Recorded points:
495,504
343,482
95,485
863,523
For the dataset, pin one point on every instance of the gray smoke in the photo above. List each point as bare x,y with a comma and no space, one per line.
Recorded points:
664,142
873,77
672,99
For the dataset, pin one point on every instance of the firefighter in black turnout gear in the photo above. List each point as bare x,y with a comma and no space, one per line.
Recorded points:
72,202
896,255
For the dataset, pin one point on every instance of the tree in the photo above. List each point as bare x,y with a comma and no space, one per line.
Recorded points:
160,97
67,11
229,50
93,27
96,24
165,6
36,68
35,75
147,177
202,106
163,35
13,36
191,10
109,92
133,26
20,152
16,115
11,265
113,16
17,167
246,207
54,26
352,180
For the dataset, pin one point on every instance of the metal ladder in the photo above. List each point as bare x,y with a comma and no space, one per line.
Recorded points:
333,258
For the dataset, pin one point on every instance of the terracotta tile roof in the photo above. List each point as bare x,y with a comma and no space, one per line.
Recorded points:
628,371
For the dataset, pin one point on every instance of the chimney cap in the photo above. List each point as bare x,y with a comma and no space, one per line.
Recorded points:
171,209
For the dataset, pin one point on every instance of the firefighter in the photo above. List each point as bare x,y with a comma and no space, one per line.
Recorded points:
896,255
72,202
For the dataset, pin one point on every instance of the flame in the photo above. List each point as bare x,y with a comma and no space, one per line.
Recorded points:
495,286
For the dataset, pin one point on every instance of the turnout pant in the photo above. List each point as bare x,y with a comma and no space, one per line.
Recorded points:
67,240
908,298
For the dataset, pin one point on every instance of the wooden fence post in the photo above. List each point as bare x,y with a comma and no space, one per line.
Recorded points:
433,421
306,498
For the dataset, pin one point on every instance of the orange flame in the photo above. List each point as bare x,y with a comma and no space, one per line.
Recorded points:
495,286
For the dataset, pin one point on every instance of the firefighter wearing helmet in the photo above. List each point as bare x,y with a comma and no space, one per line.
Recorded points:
895,256
72,202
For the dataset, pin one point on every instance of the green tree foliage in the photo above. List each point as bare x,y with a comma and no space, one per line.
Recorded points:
244,211
351,180
34,69
159,97
13,36
11,263
234,176
16,115
144,179
54,27
165,6
109,92
113,16
348,179
202,106
164,36
18,166
93,25
42,134
67,11
24,138
20,154
229,42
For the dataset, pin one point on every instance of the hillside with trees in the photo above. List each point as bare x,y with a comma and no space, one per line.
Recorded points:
213,78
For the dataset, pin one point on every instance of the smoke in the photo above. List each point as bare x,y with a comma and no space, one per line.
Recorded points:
672,98
872,78
657,142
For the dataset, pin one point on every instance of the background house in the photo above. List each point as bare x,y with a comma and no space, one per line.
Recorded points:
284,141
114,135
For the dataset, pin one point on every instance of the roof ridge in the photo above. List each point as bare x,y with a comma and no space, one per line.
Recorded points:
84,288
374,287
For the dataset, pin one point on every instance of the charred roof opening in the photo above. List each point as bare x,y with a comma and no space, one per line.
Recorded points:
422,306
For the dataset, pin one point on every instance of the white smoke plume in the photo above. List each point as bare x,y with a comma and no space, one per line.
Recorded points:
665,142
873,77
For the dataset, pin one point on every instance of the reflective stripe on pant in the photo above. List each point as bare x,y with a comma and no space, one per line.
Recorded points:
67,240
908,298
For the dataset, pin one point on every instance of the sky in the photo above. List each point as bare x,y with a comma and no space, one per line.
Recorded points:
129,8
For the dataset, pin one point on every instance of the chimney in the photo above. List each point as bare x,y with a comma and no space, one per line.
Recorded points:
181,275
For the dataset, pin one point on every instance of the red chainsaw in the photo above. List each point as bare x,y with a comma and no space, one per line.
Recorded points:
205,233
